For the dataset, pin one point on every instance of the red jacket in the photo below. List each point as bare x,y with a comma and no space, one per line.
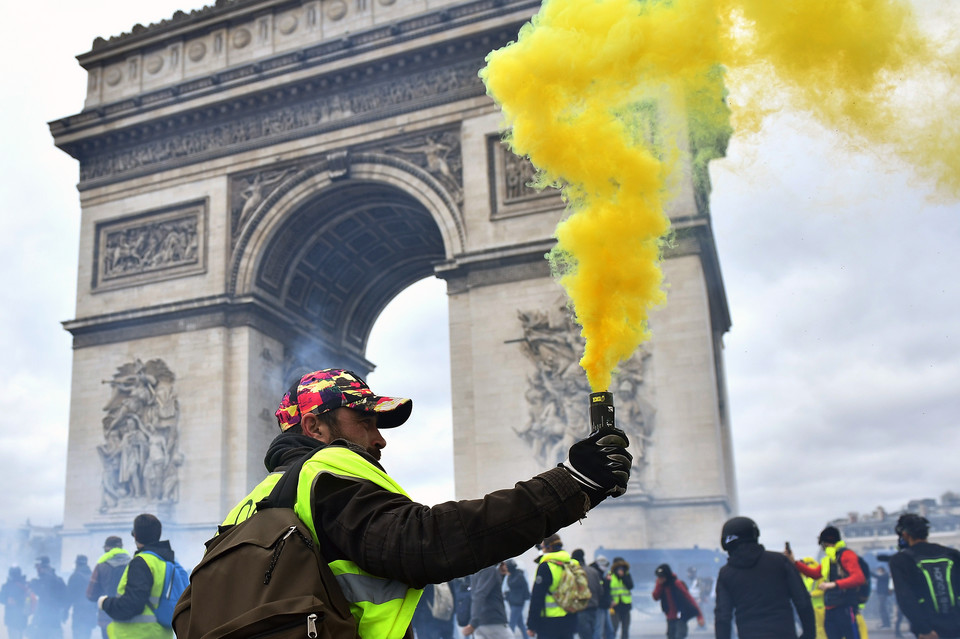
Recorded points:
851,565
669,605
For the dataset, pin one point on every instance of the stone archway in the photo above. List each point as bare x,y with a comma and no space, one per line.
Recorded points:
333,251
259,179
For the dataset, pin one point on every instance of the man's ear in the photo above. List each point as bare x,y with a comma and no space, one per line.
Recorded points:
312,427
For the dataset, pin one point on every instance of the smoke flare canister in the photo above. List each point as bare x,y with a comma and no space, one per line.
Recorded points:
601,411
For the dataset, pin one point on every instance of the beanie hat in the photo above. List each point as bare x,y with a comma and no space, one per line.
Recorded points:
663,570
551,541
331,388
829,535
147,529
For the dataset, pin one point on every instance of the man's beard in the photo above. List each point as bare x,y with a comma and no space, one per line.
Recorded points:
336,433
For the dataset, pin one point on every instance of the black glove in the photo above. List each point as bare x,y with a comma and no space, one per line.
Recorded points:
601,464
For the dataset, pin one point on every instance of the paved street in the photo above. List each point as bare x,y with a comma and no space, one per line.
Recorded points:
645,627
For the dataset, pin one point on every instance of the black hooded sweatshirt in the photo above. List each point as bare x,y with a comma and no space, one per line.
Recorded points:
759,585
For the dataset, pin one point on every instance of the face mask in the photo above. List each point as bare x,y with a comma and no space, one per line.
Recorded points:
902,543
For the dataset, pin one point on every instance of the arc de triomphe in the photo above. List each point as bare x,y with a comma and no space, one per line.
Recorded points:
258,179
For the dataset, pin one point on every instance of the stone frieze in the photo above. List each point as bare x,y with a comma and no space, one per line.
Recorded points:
285,118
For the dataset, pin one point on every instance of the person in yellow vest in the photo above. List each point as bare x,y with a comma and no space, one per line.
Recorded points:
140,585
816,596
621,583
842,576
106,576
545,618
383,547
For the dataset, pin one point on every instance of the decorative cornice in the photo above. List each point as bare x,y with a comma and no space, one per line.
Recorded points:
224,12
513,263
323,53
307,108
179,19
189,315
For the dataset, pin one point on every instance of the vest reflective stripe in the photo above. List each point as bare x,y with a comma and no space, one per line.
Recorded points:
144,625
618,591
248,505
382,607
550,606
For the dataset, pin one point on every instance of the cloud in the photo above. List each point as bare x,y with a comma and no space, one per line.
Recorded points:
843,354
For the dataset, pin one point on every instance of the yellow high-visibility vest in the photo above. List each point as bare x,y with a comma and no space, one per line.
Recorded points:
550,606
144,625
619,591
382,607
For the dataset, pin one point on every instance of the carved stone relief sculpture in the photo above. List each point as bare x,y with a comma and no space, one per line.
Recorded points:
557,391
511,176
438,153
248,193
518,173
150,246
141,430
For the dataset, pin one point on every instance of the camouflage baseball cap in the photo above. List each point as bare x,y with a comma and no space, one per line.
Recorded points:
331,388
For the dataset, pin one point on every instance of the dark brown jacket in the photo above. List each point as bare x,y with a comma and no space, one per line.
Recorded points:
391,536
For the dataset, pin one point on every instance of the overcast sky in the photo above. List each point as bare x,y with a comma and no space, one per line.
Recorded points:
841,273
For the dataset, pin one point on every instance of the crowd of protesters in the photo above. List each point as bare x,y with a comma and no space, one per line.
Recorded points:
47,607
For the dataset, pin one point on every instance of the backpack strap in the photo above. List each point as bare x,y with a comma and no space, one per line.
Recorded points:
166,573
284,494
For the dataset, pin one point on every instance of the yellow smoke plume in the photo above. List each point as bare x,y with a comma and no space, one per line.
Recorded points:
617,101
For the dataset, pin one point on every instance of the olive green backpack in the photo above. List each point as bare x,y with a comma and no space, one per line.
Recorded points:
265,577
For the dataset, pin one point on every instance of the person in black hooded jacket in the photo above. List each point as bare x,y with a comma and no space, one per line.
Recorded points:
758,585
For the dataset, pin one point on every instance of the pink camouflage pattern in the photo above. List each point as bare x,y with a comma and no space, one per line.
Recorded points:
329,389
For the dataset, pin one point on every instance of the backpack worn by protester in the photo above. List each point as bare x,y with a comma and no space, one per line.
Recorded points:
862,591
175,581
573,589
265,576
938,576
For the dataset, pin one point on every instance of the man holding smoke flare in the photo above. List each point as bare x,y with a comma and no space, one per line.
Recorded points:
370,530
